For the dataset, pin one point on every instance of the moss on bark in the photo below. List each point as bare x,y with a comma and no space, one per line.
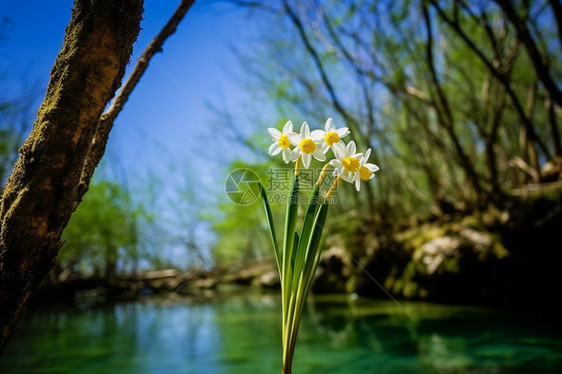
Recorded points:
42,191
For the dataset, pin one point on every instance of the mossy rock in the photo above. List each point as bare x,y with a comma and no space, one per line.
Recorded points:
438,261
496,256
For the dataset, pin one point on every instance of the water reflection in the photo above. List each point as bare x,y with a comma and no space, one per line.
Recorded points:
431,338
242,334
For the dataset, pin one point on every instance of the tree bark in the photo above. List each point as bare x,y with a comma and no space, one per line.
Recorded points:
99,140
42,191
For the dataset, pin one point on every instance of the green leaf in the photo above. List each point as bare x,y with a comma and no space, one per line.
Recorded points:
290,222
313,244
304,276
296,241
306,231
271,227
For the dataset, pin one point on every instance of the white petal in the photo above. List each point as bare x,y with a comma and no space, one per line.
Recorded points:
344,131
340,146
295,138
372,167
305,130
274,149
275,134
351,148
357,184
306,160
288,127
348,177
341,155
362,161
295,153
287,155
324,147
317,136
329,126
367,154
336,163
319,155
339,152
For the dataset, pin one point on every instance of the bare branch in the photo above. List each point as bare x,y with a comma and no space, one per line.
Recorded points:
352,123
99,141
497,74
538,62
557,9
444,113
41,193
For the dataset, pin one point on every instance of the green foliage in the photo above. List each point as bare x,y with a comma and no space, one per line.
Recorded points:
9,142
241,230
435,108
101,237
297,261
14,124
443,91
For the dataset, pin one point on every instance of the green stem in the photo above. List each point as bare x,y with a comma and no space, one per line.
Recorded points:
287,367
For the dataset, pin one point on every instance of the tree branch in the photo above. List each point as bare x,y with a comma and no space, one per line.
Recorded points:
540,66
444,112
99,141
557,10
352,123
497,74
41,193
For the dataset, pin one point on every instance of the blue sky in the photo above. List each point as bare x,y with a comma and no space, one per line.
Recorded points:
170,121
172,112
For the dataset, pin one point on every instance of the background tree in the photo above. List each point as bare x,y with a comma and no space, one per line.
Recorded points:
66,143
15,118
102,237
457,99
14,126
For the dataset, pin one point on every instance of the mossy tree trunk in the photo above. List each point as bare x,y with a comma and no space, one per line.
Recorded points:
55,163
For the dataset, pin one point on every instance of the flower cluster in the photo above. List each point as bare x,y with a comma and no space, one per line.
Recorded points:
348,165
298,254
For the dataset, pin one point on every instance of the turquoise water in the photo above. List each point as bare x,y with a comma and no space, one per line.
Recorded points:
242,335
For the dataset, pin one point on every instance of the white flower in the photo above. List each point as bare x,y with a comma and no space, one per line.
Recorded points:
346,163
281,141
307,145
332,136
366,170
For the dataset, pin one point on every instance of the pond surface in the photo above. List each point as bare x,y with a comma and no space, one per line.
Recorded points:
242,335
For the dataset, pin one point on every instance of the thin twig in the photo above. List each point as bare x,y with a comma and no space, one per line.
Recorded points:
105,124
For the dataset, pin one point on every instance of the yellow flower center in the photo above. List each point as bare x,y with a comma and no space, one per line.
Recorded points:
331,138
365,173
284,141
351,164
307,146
